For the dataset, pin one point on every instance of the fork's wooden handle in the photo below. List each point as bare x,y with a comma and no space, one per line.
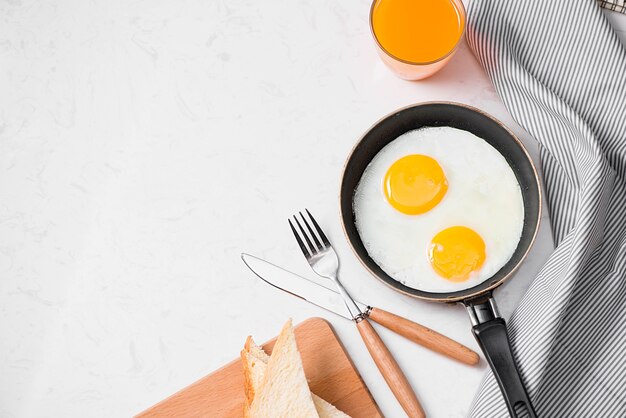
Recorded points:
424,336
390,370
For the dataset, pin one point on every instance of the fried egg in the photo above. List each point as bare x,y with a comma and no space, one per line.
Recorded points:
439,209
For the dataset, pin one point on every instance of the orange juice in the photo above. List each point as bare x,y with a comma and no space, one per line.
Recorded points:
417,31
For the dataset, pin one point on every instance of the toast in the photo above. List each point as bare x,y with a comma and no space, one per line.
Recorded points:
259,388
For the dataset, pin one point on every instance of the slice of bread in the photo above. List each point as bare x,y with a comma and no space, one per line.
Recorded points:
256,351
327,410
254,361
284,391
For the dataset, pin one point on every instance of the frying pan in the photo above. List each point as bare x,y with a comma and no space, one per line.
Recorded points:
488,327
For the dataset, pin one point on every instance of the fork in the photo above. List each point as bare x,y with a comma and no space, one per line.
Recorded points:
324,261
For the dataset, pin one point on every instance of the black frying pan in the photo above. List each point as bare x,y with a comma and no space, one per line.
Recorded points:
487,325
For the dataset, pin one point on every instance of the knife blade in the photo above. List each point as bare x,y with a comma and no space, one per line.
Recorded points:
316,293
329,299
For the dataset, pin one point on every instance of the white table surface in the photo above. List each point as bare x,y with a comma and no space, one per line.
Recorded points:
144,145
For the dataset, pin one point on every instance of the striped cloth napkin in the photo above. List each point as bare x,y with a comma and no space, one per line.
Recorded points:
561,72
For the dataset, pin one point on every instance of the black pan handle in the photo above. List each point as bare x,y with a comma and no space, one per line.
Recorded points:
490,331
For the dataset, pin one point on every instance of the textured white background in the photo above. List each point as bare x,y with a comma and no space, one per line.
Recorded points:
143,146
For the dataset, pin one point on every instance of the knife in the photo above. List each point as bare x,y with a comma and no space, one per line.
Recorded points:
327,298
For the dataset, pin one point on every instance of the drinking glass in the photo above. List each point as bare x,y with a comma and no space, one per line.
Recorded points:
409,70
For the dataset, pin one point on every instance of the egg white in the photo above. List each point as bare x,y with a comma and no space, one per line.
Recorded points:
483,194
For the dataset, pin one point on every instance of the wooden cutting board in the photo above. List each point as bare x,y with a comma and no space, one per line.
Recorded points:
328,368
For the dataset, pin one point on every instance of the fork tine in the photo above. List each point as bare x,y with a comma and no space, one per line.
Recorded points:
303,247
306,237
319,230
318,244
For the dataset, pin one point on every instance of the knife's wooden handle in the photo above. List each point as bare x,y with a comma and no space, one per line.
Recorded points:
424,336
390,370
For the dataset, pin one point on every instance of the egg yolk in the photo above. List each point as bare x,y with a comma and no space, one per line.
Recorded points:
456,252
415,184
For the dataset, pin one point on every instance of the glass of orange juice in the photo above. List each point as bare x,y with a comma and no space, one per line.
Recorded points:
416,38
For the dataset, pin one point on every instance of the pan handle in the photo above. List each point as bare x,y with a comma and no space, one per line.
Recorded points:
490,331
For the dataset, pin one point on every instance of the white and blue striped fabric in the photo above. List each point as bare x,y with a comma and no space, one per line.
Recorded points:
561,72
